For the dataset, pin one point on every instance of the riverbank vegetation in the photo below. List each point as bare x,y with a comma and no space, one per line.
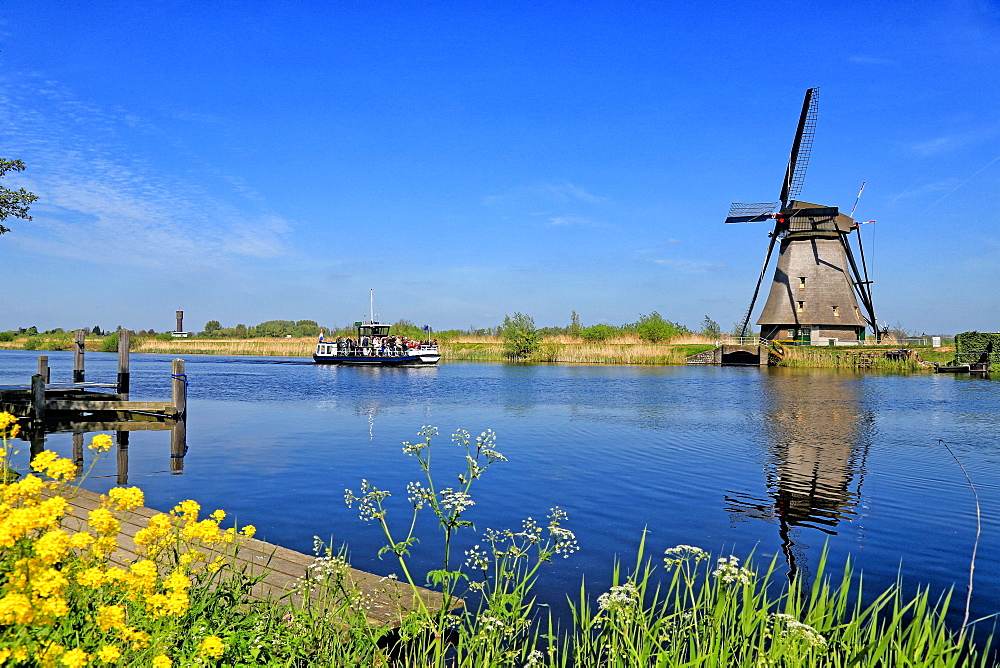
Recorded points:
65,602
651,340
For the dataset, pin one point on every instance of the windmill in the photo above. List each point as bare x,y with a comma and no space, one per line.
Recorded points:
817,287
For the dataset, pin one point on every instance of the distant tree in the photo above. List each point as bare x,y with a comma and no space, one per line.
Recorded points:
240,331
520,337
96,331
710,328
600,332
13,202
31,331
212,326
574,323
655,329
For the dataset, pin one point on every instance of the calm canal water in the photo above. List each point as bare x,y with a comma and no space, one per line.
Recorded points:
779,462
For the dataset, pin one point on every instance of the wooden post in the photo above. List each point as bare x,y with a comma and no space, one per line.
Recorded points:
78,349
124,337
43,368
38,397
122,438
178,434
178,388
78,452
37,443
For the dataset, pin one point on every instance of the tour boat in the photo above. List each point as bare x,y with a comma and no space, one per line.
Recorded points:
374,346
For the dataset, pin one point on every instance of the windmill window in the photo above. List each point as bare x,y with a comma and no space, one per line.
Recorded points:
802,282
836,311
800,306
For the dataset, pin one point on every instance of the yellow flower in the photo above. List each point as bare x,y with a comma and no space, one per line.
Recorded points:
100,443
15,608
4,654
162,661
110,617
188,508
126,498
218,515
90,577
216,565
212,646
52,546
43,460
249,530
102,521
75,658
80,540
109,654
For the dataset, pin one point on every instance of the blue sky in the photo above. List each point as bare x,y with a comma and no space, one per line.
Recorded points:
249,160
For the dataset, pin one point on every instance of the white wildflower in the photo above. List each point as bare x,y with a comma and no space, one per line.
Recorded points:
621,598
682,553
534,659
793,628
455,501
477,558
730,572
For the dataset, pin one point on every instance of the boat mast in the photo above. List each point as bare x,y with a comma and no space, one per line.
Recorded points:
371,303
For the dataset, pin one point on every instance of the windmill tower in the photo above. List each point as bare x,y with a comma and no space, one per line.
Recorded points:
817,293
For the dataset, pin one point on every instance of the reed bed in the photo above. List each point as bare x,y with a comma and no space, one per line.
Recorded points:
867,359
262,347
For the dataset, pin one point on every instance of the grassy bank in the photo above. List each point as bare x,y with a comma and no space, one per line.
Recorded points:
870,358
623,349
181,601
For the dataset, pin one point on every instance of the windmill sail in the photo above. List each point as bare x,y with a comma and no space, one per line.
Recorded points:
798,160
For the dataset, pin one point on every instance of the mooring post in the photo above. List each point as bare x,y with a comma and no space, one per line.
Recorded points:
43,368
78,349
38,397
124,337
178,388
122,438
178,433
78,452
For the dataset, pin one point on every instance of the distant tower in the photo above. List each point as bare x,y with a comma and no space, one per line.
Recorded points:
818,293
180,321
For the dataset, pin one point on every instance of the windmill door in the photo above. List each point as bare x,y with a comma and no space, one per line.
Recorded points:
804,336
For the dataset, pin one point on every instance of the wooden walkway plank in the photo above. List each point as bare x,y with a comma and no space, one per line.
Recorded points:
285,571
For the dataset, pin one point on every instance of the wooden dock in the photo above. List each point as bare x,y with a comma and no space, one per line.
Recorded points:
284,571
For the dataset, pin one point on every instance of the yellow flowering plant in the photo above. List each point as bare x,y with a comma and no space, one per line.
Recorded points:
69,596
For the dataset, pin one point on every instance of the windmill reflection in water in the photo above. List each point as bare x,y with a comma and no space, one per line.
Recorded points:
815,436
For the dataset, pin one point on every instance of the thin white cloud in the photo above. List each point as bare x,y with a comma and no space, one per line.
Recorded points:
871,60
562,192
98,198
566,221
687,266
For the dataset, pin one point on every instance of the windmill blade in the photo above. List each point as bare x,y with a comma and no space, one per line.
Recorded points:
798,160
760,279
740,212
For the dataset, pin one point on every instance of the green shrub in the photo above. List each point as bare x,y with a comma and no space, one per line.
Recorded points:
6,336
599,332
110,343
520,336
33,343
655,329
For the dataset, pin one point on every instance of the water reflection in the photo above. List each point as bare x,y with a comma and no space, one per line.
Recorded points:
816,435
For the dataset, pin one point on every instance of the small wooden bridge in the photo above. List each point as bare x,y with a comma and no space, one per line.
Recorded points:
284,573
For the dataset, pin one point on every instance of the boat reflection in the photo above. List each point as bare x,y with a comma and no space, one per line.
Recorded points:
815,439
